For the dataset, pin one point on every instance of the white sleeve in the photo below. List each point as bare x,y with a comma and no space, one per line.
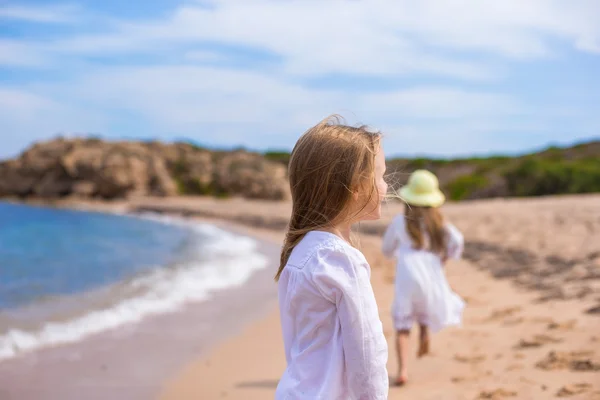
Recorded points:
456,242
343,282
390,240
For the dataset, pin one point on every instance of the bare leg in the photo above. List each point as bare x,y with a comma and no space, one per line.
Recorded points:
423,341
402,349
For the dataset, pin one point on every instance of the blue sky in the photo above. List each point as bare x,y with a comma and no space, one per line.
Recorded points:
445,78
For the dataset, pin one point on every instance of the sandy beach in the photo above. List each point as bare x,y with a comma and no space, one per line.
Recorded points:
530,277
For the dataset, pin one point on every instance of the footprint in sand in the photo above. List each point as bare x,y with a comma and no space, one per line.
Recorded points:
593,310
577,361
526,380
459,379
515,367
574,389
472,333
469,359
562,326
514,321
473,301
537,341
542,320
496,394
503,313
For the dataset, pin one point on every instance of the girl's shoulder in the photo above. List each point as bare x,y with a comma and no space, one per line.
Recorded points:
449,225
319,247
452,230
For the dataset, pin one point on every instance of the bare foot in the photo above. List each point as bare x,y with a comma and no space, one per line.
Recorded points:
401,379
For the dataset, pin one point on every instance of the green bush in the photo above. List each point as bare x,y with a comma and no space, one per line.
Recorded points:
462,187
196,188
539,177
485,165
418,163
282,157
180,168
192,144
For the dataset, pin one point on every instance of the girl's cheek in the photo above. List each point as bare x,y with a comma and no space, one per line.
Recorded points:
383,188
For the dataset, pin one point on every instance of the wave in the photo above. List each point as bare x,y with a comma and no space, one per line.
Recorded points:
224,260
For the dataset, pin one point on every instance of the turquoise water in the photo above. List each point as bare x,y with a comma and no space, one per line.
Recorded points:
66,275
47,252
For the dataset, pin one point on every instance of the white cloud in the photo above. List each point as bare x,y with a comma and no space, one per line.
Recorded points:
26,116
328,46
440,103
451,41
203,56
181,97
377,37
186,98
23,105
19,54
363,33
43,14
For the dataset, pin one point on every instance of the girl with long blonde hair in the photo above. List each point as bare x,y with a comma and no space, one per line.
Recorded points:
333,337
422,241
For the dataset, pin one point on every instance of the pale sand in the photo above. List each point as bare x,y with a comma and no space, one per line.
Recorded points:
527,336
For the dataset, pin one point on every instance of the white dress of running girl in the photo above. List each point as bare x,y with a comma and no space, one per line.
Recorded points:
422,293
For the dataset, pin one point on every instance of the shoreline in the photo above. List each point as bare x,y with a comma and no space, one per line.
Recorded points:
114,364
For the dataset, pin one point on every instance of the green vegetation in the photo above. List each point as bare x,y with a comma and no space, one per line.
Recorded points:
536,177
195,187
465,185
192,144
282,157
189,185
552,171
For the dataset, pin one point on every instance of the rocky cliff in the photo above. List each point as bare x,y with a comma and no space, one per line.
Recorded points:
108,170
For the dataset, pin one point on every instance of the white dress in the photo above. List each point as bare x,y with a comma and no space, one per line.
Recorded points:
333,338
422,293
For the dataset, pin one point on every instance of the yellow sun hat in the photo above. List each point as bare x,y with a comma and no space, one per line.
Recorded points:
422,190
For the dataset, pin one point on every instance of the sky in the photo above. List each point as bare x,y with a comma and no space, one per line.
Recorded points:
442,78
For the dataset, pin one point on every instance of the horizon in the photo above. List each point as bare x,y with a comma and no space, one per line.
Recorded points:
288,151
439,79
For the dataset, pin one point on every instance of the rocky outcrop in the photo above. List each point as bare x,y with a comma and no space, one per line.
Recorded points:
94,168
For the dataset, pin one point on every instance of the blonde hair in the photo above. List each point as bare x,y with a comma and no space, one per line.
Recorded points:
429,221
328,164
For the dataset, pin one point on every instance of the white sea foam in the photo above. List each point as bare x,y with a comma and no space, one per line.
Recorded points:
228,260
